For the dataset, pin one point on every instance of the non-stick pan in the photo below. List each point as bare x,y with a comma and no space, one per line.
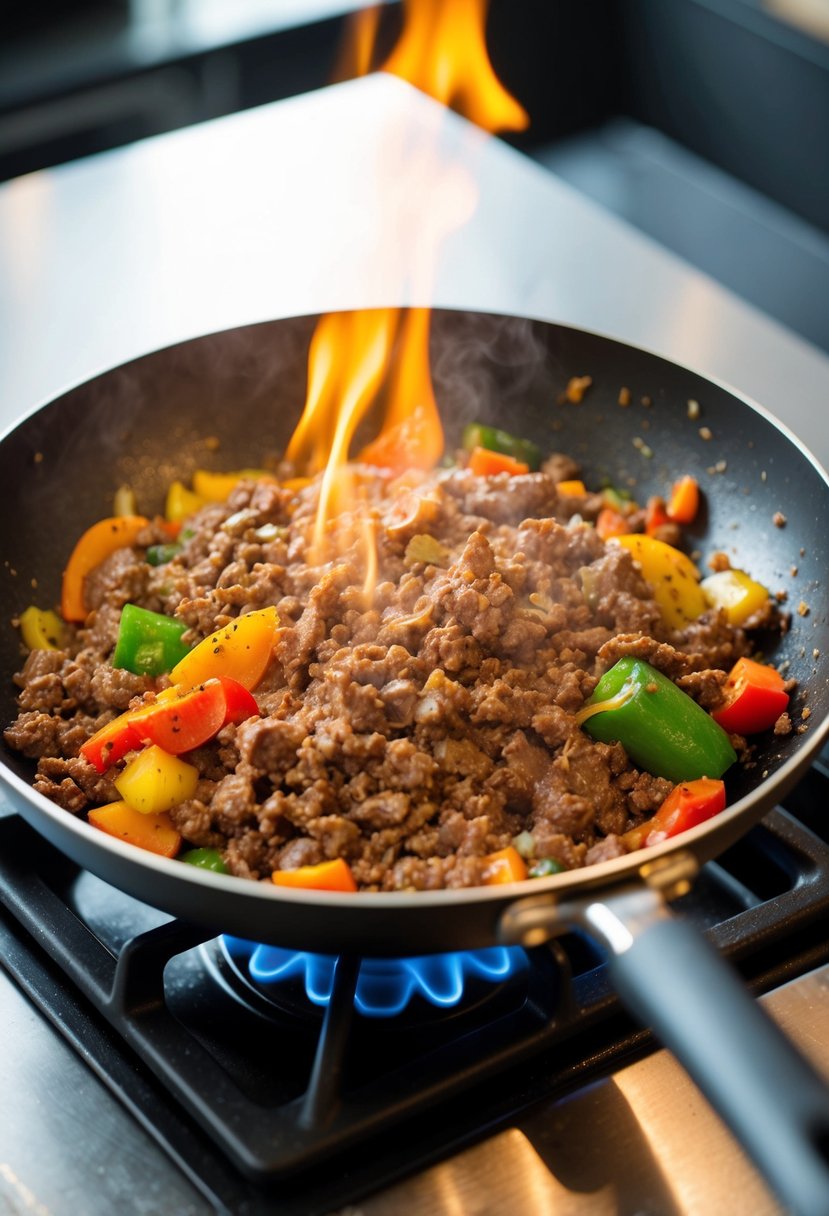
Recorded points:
766,505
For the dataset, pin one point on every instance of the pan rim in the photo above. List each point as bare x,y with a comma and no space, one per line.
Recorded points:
602,874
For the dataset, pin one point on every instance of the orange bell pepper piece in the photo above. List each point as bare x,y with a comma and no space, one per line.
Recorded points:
572,487
327,876
414,443
611,523
485,463
96,544
152,832
241,650
683,503
507,865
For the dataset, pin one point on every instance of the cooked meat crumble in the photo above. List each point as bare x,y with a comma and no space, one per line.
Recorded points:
411,731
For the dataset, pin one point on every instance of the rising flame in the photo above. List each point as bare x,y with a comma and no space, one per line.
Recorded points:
442,51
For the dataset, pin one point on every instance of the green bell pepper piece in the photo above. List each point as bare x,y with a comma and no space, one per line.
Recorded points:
662,729
149,643
160,555
206,859
545,867
476,435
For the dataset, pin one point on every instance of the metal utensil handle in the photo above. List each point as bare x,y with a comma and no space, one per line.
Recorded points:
674,981
769,1096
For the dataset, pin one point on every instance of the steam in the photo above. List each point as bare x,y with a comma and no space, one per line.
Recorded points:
483,366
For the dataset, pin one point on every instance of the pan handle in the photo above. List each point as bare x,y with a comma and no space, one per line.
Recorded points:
674,981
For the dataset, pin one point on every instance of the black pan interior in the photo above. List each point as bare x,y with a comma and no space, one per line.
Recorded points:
160,416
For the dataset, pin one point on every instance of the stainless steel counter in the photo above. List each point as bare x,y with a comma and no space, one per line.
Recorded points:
337,200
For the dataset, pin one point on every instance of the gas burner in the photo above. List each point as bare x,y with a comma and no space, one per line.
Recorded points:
406,992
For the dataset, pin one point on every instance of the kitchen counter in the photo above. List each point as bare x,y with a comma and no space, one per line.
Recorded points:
332,200
337,199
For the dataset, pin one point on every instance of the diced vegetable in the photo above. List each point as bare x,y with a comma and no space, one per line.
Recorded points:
544,867
735,593
477,435
111,743
617,499
155,781
96,544
192,718
177,721
205,859
425,548
152,832
149,643
241,650
507,865
414,443
327,876
683,502
611,523
524,843
160,555
656,515
572,488
41,629
215,487
124,501
671,576
688,804
181,502
662,729
484,463
755,698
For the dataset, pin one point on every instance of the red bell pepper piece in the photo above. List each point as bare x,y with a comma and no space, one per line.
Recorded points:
689,803
176,724
656,515
755,698
111,743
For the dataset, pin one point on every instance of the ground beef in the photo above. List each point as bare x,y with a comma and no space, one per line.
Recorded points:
413,729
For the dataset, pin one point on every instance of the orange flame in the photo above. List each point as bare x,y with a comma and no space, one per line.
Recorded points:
442,51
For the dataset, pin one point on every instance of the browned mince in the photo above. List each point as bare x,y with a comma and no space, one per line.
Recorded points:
412,732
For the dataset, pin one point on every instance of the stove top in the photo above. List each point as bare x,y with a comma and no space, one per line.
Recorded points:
267,1101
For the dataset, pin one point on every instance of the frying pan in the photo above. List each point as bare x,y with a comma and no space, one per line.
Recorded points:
159,416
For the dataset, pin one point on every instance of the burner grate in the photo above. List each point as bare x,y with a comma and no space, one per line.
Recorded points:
157,1008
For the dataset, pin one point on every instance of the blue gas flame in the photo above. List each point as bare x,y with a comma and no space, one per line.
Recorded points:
385,987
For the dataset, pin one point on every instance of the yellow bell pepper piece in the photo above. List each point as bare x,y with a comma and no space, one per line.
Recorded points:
738,595
672,577
154,781
41,629
215,487
124,501
153,832
181,502
241,650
